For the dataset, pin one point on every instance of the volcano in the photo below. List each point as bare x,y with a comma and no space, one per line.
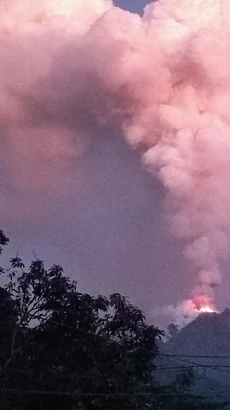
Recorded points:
204,346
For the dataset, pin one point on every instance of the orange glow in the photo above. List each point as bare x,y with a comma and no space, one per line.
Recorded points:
206,309
203,304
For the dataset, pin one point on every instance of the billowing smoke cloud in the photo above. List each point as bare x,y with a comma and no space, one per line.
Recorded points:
180,315
70,69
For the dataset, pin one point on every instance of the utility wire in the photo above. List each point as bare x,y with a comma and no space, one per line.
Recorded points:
195,356
204,366
169,355
60,393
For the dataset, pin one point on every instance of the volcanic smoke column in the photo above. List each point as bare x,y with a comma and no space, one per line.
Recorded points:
170,83
189,143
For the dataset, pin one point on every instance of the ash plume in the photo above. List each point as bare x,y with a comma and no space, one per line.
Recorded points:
70,69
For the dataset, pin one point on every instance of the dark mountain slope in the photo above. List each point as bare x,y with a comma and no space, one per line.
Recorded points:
207,336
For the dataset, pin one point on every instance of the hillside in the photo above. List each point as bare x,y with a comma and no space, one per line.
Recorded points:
204,346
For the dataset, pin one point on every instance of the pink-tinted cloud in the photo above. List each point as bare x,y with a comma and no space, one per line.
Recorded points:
71,69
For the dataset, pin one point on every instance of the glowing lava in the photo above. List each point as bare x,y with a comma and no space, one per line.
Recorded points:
203,304
206,309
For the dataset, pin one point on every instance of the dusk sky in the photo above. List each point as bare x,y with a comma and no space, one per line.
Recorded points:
101,215
135,6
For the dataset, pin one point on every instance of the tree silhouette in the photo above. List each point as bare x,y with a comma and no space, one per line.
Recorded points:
98,351
62,349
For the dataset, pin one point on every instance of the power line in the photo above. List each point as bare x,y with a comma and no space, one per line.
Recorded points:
175,368
203,366
195,356
177,357
159,354
61,393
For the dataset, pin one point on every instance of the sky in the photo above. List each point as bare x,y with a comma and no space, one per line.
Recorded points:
135,6
103,218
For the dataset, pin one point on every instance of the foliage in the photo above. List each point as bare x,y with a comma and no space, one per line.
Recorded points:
98,351
3,240
179,396
62,349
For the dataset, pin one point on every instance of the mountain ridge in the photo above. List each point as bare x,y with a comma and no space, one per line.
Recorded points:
204,346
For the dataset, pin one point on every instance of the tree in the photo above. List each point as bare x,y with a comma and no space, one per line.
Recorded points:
98,351
179,395
64,349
